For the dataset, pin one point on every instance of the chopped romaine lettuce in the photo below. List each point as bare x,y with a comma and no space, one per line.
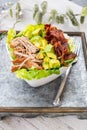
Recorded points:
11,35
35,74
33,30
69,61
71,44
40,55
11,52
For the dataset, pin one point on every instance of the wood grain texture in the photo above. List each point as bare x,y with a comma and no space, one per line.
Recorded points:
43,123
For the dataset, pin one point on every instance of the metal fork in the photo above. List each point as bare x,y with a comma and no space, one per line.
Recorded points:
57,99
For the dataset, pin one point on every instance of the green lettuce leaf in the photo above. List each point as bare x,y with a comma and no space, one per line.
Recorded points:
69,61
35,74
33,30
71,44
11,35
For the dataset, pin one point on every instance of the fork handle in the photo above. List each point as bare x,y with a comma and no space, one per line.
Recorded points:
61,87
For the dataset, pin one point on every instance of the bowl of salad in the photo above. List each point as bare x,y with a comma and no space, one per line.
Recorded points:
40,53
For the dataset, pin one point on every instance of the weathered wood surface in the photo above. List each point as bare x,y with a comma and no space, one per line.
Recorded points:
43,123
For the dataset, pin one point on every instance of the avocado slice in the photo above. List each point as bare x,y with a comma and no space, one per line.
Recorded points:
54,63
46,59
43,43
45,65
49,48
40,55
51,55
50,63
39,42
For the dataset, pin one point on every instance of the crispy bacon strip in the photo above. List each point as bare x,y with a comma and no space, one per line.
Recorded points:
56,37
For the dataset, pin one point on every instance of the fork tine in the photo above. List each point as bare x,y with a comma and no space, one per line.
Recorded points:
78,49
75,49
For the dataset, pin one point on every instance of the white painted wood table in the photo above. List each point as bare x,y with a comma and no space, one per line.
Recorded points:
43,123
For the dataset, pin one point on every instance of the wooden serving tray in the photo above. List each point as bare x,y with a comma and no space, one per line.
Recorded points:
16,96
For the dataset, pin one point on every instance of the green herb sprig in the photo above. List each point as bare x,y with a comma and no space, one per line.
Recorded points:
39,12
72,17
17,14
53,17
58,18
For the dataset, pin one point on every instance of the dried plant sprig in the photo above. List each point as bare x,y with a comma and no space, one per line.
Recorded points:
60,18
44,5
36,9
38,17
83,14
18,10
18,7
16,23
72,17
38,14
82,19
53,14
16,14
56,17
11,12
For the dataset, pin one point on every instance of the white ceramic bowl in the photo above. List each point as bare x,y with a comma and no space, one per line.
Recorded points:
42,81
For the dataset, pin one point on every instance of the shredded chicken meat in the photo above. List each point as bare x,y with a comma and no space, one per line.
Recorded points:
56,37
25,54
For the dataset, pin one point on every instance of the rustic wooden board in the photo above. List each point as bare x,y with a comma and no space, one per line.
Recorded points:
76,104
